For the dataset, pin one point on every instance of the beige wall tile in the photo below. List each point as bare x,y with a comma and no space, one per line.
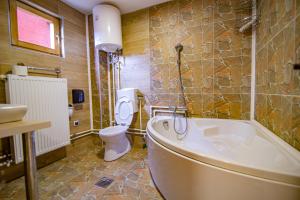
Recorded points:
277,84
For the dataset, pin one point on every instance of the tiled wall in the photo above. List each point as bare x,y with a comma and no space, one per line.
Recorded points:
216,57
135,71
277,84
104,89
215,60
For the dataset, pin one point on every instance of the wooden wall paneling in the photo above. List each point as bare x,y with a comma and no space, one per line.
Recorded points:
74,64
51,5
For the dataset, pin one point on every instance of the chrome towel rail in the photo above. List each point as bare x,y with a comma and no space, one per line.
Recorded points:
55,70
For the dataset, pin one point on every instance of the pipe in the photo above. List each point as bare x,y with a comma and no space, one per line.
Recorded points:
164,107
168,111
109,89
252,22
135,133
180,107
95,131
140,108
83,134
6,163
80,133
119,75
4,156
3,77
113,87
247,25
136,129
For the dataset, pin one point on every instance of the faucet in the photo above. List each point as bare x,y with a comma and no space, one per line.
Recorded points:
173,108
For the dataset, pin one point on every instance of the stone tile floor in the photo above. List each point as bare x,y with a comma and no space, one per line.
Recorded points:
74,177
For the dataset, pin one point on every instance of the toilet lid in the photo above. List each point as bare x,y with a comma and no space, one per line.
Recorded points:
124,111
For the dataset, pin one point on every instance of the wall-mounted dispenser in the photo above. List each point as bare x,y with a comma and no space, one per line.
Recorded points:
77,96
107,28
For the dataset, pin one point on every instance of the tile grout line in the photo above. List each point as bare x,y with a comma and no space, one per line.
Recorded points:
286,95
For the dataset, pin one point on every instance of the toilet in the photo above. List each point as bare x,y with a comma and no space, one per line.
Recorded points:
116,141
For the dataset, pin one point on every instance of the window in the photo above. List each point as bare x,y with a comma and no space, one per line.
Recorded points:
34,29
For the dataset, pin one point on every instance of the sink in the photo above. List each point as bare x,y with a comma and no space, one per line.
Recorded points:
12,112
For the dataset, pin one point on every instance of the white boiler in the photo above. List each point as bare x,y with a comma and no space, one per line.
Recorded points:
107,28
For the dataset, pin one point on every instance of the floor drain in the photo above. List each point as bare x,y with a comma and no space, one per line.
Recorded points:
104,182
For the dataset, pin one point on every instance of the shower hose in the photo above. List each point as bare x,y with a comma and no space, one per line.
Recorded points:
179,48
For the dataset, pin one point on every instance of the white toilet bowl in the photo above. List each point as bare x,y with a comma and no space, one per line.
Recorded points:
116,142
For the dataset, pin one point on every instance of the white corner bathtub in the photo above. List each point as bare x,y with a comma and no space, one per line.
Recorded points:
221,160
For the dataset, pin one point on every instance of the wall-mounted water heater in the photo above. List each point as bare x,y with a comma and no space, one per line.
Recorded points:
107,28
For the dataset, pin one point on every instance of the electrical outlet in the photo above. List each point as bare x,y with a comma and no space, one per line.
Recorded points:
76,123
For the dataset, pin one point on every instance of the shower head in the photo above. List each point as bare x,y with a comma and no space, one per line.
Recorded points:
179,47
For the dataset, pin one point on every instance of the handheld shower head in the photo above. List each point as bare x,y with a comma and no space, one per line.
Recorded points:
179,47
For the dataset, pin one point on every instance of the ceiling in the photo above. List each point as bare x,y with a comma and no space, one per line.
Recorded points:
126,6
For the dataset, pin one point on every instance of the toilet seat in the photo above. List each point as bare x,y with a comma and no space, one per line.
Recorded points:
113,131
124,111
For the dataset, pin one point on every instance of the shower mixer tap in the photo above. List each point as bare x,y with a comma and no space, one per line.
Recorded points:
178,48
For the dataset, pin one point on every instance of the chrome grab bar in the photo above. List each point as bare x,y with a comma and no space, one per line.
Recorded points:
166,109
55,70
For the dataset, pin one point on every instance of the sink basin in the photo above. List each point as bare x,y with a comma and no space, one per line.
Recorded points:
12,112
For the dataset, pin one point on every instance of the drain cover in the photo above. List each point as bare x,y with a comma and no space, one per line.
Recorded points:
104,182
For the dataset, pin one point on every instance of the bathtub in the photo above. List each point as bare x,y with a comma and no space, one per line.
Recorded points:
221,159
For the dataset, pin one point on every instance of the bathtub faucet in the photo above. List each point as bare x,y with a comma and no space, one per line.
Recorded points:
173,108
177,108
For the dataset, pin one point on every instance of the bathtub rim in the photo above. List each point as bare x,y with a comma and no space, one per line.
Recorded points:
292,179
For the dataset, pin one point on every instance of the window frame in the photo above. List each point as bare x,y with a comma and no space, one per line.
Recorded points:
57,23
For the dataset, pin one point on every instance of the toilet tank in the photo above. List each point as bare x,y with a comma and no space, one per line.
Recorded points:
130,93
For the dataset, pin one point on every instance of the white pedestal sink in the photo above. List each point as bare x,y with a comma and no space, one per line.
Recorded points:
12,112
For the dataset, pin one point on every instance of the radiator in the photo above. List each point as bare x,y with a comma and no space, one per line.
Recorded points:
47,99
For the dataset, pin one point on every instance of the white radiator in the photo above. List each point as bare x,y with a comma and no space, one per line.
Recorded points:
47,99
